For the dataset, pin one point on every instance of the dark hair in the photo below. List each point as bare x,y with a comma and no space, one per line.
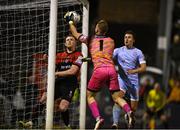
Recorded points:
132,33
70,35
103,26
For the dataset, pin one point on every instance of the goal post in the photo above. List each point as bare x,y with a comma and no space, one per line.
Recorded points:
85,26
51,66
29,31
50,92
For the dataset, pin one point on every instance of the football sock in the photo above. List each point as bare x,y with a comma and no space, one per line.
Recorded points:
94,109
126,108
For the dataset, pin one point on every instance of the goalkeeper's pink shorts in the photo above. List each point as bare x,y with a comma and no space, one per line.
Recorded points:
104,76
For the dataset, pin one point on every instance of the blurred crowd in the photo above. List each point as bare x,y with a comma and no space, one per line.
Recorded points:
160,107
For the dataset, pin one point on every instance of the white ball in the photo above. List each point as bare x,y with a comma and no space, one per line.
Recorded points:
75,16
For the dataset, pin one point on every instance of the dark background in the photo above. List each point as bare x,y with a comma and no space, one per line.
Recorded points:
141,16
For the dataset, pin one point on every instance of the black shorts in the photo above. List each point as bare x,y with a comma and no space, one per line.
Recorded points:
64,89
158,113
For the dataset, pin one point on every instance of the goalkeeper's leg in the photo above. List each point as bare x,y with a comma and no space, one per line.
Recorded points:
94,109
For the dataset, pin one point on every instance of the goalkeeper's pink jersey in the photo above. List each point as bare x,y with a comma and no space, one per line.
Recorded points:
101,50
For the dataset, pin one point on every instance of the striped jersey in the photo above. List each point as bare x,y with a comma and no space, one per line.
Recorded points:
65,60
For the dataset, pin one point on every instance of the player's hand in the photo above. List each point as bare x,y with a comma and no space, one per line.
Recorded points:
131,71
56,74
43,98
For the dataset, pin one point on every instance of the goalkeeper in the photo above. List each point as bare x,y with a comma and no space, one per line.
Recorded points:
101,49
68,65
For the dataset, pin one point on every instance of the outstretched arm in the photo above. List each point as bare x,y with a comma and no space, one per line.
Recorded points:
73,30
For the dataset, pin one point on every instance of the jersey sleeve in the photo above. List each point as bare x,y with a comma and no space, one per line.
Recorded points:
82,38
115,52
78,60
141,57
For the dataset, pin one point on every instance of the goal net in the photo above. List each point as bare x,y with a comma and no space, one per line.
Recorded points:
24,40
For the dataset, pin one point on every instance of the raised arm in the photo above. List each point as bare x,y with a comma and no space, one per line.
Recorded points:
73,30
69,17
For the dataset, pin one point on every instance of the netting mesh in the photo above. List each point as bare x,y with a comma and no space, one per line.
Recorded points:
24,39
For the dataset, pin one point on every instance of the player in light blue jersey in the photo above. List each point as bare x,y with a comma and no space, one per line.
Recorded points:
130,61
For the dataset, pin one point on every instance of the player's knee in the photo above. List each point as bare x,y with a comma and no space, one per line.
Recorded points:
91,96
115,96
115,99
63,106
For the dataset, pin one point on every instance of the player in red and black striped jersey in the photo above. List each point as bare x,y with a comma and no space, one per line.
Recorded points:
68,65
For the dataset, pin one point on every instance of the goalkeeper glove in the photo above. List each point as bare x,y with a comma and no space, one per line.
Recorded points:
68,17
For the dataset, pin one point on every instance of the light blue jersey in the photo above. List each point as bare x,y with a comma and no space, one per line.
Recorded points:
129,59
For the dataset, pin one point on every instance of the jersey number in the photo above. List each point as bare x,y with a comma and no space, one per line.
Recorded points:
101,45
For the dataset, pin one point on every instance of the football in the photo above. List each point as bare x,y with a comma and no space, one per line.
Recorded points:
72,16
